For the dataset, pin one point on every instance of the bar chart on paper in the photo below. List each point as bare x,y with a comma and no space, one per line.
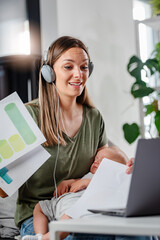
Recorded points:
20,123
21,153
16,142
19,133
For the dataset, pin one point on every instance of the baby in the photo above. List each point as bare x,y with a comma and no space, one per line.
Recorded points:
68,192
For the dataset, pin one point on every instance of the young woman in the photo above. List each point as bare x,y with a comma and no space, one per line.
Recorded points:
74,129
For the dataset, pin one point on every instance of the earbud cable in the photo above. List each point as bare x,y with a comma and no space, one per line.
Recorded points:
57,155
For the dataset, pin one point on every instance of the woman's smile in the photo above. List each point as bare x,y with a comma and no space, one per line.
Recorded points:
76,84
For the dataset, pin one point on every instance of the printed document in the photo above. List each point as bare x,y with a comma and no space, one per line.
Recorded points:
21,153
108,189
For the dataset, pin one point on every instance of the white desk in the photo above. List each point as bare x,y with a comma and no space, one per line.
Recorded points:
107,225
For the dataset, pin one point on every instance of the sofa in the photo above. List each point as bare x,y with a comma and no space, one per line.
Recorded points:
8,230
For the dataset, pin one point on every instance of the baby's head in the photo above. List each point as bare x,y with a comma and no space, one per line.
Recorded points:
95,165
102,153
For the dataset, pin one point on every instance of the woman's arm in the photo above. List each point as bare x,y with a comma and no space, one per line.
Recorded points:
112,152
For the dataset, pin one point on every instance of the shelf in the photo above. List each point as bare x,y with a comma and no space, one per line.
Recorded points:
153,22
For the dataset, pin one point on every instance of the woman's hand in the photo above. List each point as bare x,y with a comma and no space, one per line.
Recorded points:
130,166
80,185
3,194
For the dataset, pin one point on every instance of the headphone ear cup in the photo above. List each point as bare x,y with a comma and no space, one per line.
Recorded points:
90,66
48,73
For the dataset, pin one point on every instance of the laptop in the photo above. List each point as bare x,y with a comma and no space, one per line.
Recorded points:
144,191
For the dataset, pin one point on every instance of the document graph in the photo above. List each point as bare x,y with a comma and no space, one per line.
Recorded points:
16,142
20,123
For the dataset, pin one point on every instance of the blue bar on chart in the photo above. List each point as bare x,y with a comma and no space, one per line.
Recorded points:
5,176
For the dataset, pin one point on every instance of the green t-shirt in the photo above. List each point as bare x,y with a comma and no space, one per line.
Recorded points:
74,161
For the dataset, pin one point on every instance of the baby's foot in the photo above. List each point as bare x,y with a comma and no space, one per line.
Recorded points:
32,237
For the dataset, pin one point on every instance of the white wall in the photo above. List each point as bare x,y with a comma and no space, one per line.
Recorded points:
107,28
48,17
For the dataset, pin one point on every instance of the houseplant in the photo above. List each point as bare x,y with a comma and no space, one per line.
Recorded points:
155,6
140,89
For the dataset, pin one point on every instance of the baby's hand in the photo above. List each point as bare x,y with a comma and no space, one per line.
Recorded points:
63,187
79,185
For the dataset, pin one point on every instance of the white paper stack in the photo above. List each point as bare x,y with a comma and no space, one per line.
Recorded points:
21,153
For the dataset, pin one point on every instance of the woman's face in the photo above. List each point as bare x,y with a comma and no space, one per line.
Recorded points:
71,71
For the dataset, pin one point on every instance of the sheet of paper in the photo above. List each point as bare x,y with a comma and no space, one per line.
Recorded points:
108,189
16,173
19,134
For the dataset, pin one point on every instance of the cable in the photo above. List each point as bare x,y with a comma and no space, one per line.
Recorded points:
57,121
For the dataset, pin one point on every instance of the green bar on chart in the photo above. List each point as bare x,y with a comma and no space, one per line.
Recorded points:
16,143
5,149
20,123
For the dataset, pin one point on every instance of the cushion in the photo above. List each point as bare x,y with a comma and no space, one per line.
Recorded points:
7,211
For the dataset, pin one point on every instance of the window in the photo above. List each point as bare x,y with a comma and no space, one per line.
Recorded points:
147,35
14,28
19,27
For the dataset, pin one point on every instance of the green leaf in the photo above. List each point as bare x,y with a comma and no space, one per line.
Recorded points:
153,107
134,67
131,132
157,121
156,52
139,90
155,6
157,47
149,109
152,65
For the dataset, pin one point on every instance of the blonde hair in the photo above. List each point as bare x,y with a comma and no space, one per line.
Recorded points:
48,98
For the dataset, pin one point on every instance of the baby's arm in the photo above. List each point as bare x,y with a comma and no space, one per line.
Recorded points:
79,184
64,187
